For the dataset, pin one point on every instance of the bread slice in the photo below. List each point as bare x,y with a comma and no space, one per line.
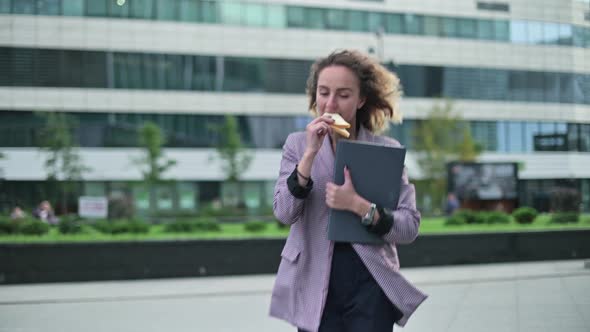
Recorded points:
341,131
339,124
339,121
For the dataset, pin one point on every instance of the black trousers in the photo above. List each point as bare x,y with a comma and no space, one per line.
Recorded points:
355,301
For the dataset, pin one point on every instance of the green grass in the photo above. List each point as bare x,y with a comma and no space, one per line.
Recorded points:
236,231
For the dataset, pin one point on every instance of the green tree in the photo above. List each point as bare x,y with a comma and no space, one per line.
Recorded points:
230,149
63,164
441,137
153,164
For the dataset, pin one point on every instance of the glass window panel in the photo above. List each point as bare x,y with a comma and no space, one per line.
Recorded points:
164,197
48,7
413,24
432,26
97,8
187,196
565,34
295,17
94,72
530,129
119,8
587,37
5,6
252,195
209,12
566,86
394,23
502,136
547,128
449,27
358,21
73,7
551,33
166,10
376,22
255,14
551,87
23,7
584,137
535,32
501,30
142,9
518,32
277,18
314,18
515,136
189,10
231,13
485,29
467,28
336,19
578,36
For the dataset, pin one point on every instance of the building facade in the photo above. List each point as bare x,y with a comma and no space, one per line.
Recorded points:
518,71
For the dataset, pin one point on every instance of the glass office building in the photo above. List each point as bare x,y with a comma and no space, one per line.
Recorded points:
518,71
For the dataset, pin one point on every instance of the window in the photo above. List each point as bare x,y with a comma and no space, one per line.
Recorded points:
143,9
467,28
376,22
432,26
166,10
276,17
189,10
393,23
485,29
358,21
255,14
73,7
5,6
565,34
515,136
314,18
551,33
231,13
119,9
336,19
413,24
97,8
48,7
209,11
295,17
535,33
501,30
23,7
449,27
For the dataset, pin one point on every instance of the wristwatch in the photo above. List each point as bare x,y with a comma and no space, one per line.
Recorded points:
368,218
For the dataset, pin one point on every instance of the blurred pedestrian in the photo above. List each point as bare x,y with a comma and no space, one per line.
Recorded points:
17,213
452,204
44,212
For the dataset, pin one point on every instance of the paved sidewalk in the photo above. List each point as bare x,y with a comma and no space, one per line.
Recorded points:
536,297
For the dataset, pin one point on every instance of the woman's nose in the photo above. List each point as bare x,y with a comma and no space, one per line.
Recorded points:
331,102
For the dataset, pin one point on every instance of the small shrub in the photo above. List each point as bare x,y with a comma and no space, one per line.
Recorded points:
8,226
137,226
525,215
180,226
497,217
455,220
206,225
70,224
255,226
33,227
471,217
565,217
103,226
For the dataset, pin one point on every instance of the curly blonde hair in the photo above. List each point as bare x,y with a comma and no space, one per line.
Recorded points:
380,88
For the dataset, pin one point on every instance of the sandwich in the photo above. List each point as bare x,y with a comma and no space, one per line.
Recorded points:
340,125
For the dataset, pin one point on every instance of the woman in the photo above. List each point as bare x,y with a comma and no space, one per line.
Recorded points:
327,286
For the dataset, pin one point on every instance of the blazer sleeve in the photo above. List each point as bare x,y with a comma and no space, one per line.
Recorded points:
406,218
287,208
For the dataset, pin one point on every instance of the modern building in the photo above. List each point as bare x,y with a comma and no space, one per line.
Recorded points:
517,70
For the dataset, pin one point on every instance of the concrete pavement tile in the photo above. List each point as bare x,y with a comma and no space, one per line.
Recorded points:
578,287
483,319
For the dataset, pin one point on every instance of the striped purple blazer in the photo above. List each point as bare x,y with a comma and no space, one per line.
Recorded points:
301,285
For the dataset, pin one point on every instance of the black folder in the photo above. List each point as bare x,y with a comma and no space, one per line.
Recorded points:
376,172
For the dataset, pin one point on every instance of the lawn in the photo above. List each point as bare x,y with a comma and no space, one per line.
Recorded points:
236,231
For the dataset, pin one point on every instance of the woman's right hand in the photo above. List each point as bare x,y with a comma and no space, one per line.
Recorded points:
316,130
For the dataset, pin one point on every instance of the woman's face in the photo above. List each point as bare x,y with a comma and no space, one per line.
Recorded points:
339,92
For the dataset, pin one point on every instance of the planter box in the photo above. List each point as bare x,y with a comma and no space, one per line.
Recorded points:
63,262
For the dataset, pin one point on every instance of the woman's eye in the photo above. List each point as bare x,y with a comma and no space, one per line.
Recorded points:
344,96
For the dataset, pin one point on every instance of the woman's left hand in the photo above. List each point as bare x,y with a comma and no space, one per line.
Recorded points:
341,197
